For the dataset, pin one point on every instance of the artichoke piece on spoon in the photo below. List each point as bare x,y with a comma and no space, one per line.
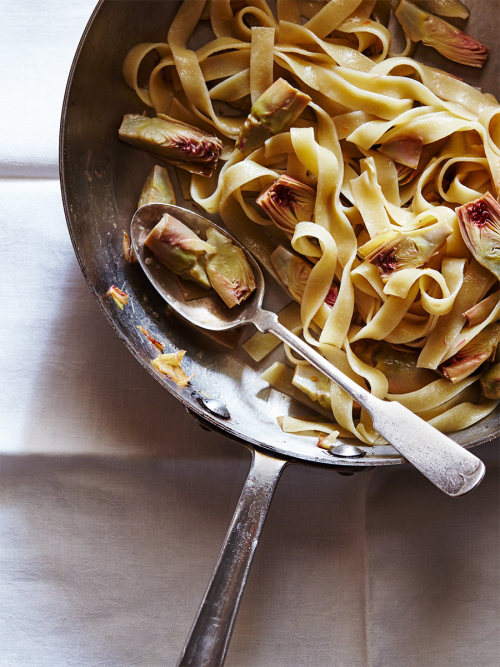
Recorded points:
288,202
273,112
157,189
452,43
227,268
471,356
392,250
182,145
180,249
479,222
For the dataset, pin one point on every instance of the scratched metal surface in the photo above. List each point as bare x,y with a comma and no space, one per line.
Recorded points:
101,178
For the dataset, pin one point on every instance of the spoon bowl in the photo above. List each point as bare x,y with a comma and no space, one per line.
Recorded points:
208,311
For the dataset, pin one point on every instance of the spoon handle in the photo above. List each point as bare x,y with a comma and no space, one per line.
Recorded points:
446,464
209,637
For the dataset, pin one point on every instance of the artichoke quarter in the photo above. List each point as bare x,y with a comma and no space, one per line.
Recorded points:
227,268
293,271
288,202
157,189
490,382
471,356
179,249
479,222
182,145
273,112
421,26
393,250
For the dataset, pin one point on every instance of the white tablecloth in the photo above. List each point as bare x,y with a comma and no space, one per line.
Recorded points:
114,503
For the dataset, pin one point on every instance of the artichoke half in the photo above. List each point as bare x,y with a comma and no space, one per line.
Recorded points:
182,145
179,249
479,223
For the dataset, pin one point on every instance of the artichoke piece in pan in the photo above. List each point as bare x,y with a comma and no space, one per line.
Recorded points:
405,173
227,268
157,189
404,150
273,112
471,356
293,271
170,365
180,144
452,43
481,310
180,249
490,383
399,365
392,250
479,222
449,8
288,202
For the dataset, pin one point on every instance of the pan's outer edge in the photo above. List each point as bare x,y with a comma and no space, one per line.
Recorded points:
192,406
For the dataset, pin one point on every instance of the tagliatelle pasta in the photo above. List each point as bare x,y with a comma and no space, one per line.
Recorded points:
390,148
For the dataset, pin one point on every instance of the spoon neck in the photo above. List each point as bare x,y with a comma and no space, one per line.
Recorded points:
265,320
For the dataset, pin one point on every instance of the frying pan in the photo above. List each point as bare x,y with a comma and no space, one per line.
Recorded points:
100,179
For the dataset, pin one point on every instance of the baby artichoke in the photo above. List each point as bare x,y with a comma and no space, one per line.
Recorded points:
157,189
273,112
490,383
293,271
228,271
479,223
180,144
452,43
179,248
287,202
392,250
471,356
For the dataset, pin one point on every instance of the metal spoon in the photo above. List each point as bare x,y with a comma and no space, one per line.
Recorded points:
446,464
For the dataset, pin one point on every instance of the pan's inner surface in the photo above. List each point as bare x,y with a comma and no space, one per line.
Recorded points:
101,179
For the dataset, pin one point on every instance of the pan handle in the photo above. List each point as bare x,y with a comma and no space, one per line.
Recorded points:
209,637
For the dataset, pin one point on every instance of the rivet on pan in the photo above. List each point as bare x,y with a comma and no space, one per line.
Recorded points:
214,406
347,451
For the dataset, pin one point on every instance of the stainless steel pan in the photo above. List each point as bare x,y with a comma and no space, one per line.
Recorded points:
100,179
